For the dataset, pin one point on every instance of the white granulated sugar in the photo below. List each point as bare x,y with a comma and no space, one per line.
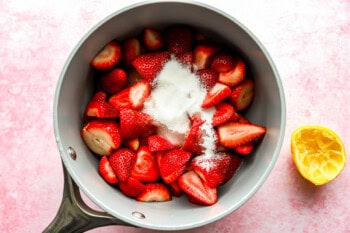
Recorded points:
178,94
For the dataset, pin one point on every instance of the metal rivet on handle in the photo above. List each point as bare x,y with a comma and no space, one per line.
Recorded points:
138,215
72,153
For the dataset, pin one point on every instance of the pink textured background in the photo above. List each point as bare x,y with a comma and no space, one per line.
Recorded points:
309,40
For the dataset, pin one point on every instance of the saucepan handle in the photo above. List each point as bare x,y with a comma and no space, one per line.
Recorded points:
74,215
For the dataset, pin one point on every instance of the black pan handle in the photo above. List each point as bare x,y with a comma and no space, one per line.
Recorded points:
74,216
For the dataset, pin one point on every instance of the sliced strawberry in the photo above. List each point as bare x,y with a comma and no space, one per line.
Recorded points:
106,171
235,134
186,59
154,192
101,136
223,62
244,149
122,162
212,169
132,143
242,95
194,138
235,163
216,94
98,107
149,65
146,168
108,57
175,189
224,112
234,76
197,190
134,123
158,143
237,117
131,97
132,187
179,39
114,80
172,164
152,39
202,55
131,49
208,77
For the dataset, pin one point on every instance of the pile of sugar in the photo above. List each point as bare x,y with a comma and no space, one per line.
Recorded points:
177,95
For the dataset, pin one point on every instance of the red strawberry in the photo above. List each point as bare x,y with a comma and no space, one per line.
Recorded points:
145,169
154,192
239,118
101,136
212,169
132,143
186,59
215,95
223,62
235,134
122,162
131,49
98,107
234,76
224,112
202,55
158,143
149,65
179,39
108,57
244,149
114,81
152,39
194,138
131,97
106,171
132,187
208,77
134,123
242,95
175,189
197,190
172,164
235,163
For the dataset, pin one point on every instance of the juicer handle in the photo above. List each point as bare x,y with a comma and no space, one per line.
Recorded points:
74,216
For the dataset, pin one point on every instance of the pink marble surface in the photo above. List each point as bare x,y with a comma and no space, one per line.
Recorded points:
309,41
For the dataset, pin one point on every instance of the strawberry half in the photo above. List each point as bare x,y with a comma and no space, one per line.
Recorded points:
202,55
194,138
235,134
101,136
175,189
154,192
122,162
131,97
152,39
108,57
106,171
224,113
179,39
98,107
132,187
235,163
150,64
131,49
145,168
216,94
208,77
172,164
132,143
223,62
242,96
134,123
197,190
114,80
244,149
158,143
234,76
